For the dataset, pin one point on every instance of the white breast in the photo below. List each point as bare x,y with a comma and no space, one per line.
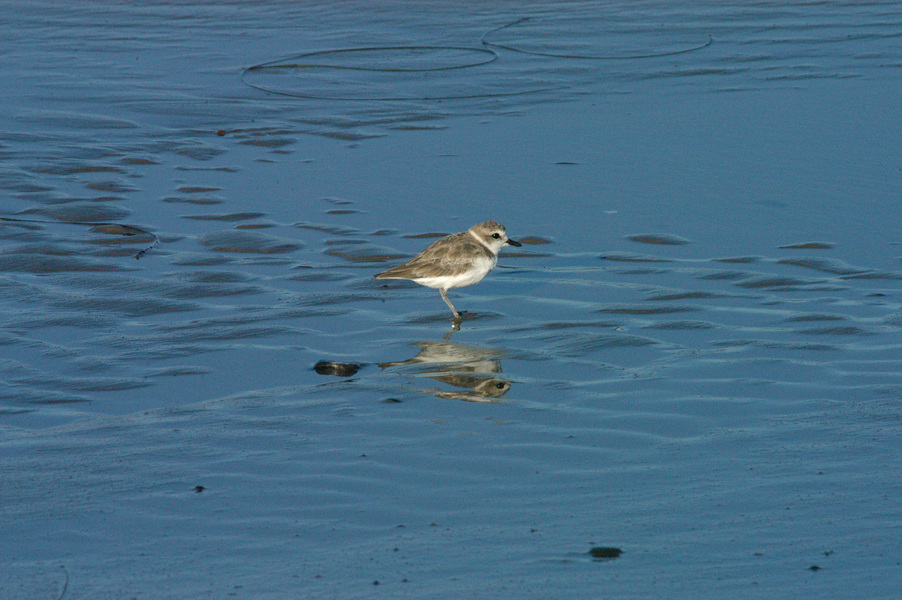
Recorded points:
478,270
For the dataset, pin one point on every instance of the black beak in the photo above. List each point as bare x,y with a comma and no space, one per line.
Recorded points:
511,242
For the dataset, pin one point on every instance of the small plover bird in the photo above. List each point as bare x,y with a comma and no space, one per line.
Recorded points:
455,261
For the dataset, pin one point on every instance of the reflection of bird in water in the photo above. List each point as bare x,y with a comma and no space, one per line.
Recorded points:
466,367
482,389
440,353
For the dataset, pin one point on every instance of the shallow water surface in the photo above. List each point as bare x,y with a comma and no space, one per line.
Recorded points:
685,383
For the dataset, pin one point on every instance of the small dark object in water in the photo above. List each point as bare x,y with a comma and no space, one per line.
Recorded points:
325,367
604,552
199,488
814,568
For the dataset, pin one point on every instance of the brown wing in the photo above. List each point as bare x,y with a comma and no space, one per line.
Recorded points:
449,256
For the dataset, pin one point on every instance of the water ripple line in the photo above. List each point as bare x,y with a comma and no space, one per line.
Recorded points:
584,56
489,56
128,230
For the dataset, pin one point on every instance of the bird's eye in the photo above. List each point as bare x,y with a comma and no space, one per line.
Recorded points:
496,236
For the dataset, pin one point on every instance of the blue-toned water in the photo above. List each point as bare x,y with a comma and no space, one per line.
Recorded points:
694,358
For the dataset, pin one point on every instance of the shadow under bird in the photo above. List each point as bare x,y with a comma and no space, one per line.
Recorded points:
455,261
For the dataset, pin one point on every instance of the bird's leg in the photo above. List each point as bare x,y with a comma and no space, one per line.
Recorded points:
451,306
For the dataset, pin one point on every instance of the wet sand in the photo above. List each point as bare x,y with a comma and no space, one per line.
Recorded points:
685,384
